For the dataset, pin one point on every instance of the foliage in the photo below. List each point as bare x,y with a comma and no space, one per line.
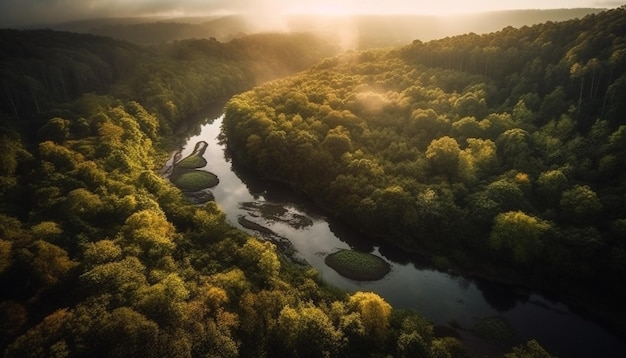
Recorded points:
507,147
503,147
101,256
532,349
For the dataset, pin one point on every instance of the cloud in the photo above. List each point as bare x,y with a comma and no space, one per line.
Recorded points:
37,12
31,12
608,4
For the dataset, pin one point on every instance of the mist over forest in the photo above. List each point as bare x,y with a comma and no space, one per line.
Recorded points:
350,31
490,146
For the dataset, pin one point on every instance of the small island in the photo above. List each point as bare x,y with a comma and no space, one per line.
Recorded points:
185,174
195,180
359,266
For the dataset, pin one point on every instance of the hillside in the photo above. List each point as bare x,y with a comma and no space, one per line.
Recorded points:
101,256
500,154
430,148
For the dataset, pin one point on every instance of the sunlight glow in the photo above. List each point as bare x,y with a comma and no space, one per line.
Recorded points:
322,8
421,7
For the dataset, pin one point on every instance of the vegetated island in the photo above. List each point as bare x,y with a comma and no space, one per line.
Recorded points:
358,266
186,176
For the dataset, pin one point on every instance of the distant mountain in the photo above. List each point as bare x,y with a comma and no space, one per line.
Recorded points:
352,32
368,31
222,28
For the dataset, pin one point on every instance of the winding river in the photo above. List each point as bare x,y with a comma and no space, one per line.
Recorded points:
441,297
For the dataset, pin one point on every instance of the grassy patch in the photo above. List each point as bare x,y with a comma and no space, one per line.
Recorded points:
195,180
195,160
192,162
358,265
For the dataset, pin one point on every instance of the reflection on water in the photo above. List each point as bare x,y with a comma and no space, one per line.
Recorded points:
439,296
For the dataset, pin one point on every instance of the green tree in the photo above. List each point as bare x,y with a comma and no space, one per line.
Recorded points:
532,349
443,156
50,263
580,205
337,141
164,302
261,261
128,333
148,234
307,332
515,149
101,252
519,236
550,186
374,311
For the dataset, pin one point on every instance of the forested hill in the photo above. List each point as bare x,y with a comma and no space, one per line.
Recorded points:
101,256
501,154
43,69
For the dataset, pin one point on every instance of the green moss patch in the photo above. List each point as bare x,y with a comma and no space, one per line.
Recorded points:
195,160
358,266
192,162
195,180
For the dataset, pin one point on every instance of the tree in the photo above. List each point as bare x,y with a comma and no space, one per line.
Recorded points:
550,185
483,155
515,149
466,128
507,194
580,205
128,333
50,263
519,236
443,157
57,130
148,234
43,340
337,141
412,345
122,279
532,349
374,311
101,252
307,332
164,301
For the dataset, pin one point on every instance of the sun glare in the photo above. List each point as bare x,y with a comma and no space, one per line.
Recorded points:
398,7
323,8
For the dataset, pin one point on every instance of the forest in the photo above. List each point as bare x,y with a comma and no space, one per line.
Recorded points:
499,154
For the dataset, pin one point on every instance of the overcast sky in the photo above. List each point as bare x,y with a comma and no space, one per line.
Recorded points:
29,12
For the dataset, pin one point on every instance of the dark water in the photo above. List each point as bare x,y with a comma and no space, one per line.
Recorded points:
438,296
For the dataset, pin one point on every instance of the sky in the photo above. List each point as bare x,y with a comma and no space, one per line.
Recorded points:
15,13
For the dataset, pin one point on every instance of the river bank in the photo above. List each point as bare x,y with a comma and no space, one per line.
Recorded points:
442,295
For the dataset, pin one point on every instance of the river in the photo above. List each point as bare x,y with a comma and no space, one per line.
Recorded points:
438,296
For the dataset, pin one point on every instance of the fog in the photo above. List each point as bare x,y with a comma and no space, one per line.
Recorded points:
17,13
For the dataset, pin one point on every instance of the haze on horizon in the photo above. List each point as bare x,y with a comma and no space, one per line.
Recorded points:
18,13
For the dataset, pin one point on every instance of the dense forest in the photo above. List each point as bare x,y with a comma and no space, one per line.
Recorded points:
501,155
101,256
498,154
